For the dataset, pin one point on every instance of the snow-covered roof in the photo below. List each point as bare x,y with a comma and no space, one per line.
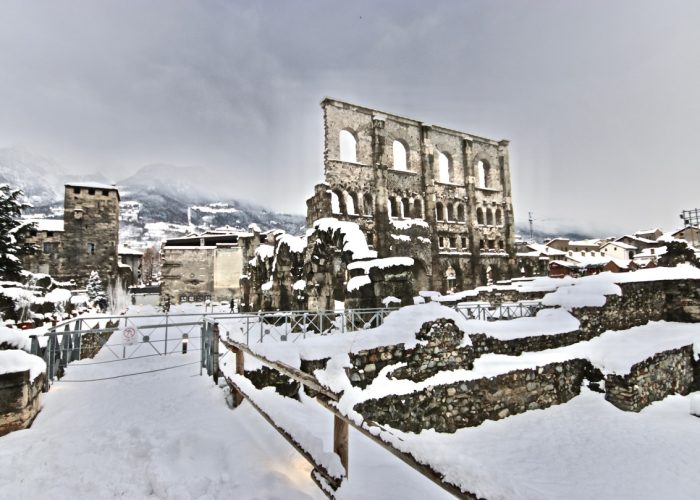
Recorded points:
52,225
544,249
124,250
93,185
619,244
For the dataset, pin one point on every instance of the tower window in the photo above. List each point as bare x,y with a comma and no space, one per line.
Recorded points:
91,249
76,190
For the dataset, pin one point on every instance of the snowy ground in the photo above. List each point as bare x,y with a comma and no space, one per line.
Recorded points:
170,434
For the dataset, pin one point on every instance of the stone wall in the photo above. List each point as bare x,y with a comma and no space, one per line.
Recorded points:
20,400
670,300
441,351
447,408
666,373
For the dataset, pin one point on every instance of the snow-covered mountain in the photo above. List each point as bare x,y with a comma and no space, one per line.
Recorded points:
164,197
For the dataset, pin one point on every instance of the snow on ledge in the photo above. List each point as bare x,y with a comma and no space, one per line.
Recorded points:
16,360
384,263
355,241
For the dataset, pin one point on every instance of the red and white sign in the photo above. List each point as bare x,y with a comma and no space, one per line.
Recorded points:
129,334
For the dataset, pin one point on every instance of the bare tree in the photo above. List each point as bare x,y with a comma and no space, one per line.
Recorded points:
150,264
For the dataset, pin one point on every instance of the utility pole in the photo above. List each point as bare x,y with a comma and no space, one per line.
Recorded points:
529,214
691,219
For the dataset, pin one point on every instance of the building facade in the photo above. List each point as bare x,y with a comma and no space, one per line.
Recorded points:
86,240
440,196
201,267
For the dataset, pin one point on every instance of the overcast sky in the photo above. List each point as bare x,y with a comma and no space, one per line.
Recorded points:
600,99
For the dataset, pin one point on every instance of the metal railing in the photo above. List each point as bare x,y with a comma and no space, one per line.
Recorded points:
290,326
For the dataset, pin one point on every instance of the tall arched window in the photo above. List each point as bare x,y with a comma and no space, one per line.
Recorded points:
489,217
350,203
482,172
460,212
367,204
444,168
418,208
348,146
335,203
450,212
394,208
405,207
439,211
499,217
479,216
400,156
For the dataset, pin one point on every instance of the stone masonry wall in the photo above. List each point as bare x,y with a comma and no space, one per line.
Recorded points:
442,351
666,373
671,300
447,408
20,400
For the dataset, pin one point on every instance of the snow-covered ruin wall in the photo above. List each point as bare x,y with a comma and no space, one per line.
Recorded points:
639,303
20,394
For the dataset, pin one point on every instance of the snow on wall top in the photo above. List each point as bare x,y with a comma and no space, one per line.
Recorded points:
407,223
384,263
400,327
15,360
265,251
355,241
295,244
15,338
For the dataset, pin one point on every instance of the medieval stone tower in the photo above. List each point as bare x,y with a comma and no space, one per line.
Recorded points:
90,236
432,193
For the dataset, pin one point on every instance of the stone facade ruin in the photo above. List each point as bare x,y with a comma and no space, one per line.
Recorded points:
86,241
404,207
438,195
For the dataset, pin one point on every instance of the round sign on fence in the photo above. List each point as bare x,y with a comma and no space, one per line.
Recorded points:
129,334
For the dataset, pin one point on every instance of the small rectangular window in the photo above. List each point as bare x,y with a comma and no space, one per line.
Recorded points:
464,242
453,242
91,248
76,190
105,192
91,191
441,242
50,247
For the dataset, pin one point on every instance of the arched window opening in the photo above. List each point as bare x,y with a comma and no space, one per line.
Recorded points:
439,211
348,146
393,208
335,203
482,172
460,212
418,208
400,156
405,206
367,204
450,212
499,217
489,217
479,215
350,203
444,168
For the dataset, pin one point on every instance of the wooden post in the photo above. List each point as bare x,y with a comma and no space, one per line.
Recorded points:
340,442
215,353
237,396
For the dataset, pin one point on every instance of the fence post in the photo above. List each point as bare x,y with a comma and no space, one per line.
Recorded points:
165,348
215,353
240,370
340,441
201,345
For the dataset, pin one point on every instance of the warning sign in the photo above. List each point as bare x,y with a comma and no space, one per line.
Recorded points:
129,334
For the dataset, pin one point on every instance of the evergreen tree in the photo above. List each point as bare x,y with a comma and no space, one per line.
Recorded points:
95,291
13,233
